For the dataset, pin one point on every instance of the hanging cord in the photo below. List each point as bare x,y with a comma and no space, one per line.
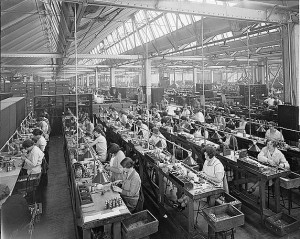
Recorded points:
76,78
202,53
145,70
248,64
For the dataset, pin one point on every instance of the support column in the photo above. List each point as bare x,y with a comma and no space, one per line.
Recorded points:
96,79
253,71
194,78
80,80
261,69
146,81
290,53
267,73
87,81
212,76
112,77
174,77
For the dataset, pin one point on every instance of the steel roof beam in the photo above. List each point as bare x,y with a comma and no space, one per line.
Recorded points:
39,55
268,14
80,56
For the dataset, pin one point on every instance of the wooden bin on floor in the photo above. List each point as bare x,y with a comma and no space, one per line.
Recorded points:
223,217
290,181
227,198
139,225
282,224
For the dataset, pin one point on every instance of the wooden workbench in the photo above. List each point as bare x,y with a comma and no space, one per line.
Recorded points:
96,214
10,178
156,186
245,174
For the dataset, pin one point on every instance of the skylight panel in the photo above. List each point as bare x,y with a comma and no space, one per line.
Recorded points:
157,29
184,20
162,26
128,26
197,18
171,19
143,35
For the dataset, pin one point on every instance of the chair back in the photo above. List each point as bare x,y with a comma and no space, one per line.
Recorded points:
225,183
140,204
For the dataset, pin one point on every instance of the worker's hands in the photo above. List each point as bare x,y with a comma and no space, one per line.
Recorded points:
23,158
281,165
107,167
117,182
116,189
271,162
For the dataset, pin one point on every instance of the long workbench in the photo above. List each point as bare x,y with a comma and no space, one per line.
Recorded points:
155,178
95,214
243,173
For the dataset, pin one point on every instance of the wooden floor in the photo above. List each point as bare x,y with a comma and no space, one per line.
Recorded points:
57,219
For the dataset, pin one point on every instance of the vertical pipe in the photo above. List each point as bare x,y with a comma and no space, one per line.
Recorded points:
76,78
249,95
202,53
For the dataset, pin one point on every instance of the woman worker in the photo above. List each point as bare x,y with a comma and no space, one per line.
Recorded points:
114,166
131,184
33,158
41,142
100,144
273,134
272,156
242,125
213,169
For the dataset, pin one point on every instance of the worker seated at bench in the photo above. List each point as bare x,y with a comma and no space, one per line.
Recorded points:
272,156
273,134
130,185
32,158
157,139
230,140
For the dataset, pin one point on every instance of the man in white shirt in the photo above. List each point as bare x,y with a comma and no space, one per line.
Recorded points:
156,138
270,101
199,116
185,112
144,130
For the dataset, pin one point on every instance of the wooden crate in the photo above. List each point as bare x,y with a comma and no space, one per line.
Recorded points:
85,196
227,198
139,225
223,217
282,224
290,181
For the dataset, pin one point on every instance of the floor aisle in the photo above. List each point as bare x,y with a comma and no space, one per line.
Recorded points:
57,218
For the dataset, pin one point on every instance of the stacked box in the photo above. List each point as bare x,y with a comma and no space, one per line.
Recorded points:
45,88
2,87
52,86
37,88
7,87
30,91
29,104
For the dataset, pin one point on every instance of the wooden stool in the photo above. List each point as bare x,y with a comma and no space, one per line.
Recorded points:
224,234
